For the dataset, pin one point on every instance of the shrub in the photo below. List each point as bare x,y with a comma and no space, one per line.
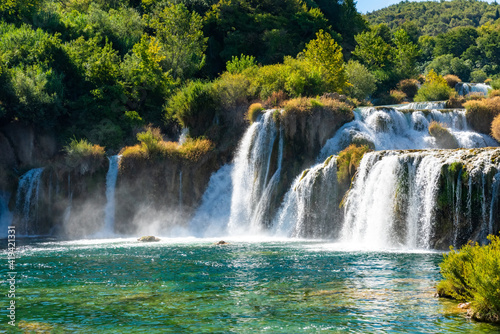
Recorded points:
194,149
363,82
474,97
494,93
480,114
276,100
455,101
452,80
150,141
444,138
254,111
409,87
478,76
308,105
83,153
472,274
348,161
194,106
239,64
397,96
495,128
435,88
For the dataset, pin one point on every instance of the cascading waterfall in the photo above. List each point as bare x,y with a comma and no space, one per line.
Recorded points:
466,88
27,201
109,210
212,217
390,128
397,195
309,208
252,178
5,214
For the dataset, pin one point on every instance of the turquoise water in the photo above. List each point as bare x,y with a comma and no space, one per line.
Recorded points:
191,285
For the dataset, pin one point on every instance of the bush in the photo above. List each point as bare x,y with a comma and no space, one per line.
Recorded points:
348,162
276,100
472,274
397,96
363,82
151,141
444,138
495,128
239,64
308,105
478,76
83,153
435,88
452,80
409,87
455,101
494,93
194,106
480,114
194,149
253,112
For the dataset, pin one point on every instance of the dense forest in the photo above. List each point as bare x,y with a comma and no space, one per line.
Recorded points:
105,70
435,17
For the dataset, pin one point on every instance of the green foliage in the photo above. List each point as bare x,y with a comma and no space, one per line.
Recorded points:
362,81
478,76
406,54
181,37
305,105
324,53
194,106
372,50
435,88
435,17
444,138
150,140
447,64
455,41
348,161
473,274
239,64
82,151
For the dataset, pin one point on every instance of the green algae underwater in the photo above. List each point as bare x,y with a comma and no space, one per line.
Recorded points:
246,286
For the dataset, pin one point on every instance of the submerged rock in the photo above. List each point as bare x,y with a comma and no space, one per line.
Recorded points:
149,238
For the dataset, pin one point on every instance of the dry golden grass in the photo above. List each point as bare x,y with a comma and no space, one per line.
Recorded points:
452,80
480,113
495,128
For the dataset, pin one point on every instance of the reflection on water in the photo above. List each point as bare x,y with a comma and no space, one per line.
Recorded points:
191,285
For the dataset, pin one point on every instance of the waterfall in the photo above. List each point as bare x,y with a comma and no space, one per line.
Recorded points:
466,88
109,210
27,201
5,214
396,197
309,208
212,217
251,176
391,128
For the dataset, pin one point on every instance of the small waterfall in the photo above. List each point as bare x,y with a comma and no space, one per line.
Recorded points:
423,105
27,201
180,190
390,128
5,214
67,211
183,136
466,88
397,195
212,217
309,208
109,210
251,177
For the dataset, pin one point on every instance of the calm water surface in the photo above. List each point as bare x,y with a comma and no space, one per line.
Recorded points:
191,285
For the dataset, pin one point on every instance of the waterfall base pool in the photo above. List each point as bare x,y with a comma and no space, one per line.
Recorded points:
192,285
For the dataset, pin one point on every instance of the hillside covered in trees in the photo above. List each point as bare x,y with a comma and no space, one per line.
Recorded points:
103,71
435,17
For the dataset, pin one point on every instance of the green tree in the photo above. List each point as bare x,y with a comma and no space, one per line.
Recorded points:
372,50
406,54
181,36
326,54
363,82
